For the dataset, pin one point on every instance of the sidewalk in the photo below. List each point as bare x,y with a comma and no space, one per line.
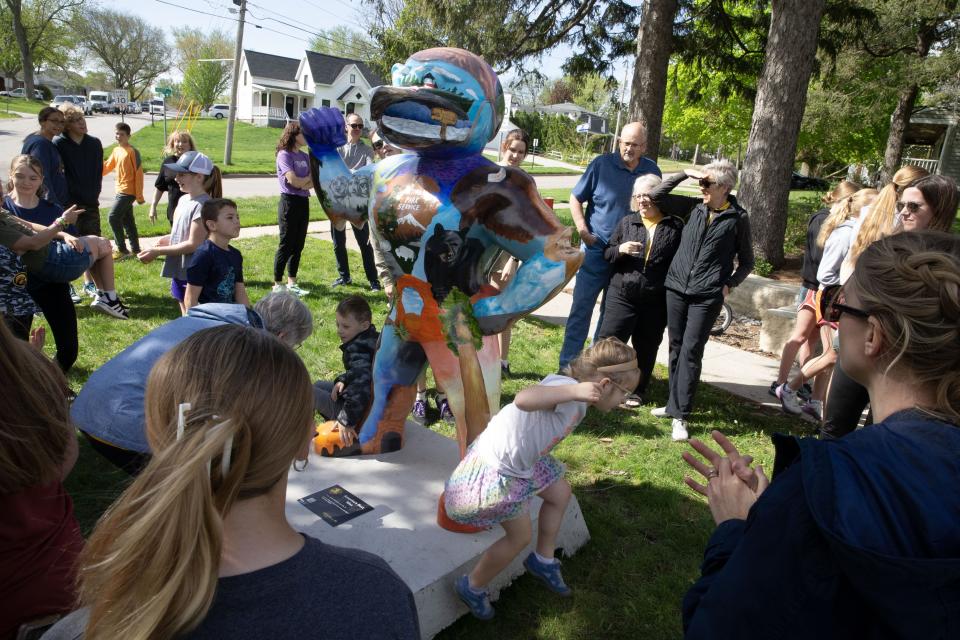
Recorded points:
741,373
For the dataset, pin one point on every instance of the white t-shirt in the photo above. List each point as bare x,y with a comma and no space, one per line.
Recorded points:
515,439
188,210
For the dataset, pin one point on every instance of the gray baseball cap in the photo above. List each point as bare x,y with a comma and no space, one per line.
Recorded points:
192,162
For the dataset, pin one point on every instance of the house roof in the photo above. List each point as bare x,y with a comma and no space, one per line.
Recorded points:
325,69
267,65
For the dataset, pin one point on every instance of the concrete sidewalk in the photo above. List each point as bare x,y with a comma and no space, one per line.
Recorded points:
741,373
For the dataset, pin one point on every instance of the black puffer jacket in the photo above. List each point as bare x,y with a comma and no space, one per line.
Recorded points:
358,377
704,262
633,273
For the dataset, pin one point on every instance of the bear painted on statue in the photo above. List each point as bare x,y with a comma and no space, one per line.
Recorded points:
441,213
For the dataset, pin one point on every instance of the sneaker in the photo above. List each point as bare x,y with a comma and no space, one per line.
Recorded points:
113,307
679,430
120,255
279,288
420,409
789,400
375,286
478,603
773,388
443,406
90,289
341,281
297,291
74,296
631,401
504,369
549,573
805,392
814,409
659,412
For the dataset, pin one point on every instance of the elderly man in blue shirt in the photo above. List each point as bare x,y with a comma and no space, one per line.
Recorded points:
605,187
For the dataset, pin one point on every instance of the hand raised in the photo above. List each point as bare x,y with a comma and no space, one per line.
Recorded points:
740,464
588,392
70,215
323,127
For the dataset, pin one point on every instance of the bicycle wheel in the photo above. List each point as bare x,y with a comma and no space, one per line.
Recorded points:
722,323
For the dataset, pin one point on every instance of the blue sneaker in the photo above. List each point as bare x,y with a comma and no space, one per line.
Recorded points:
548,573
478,603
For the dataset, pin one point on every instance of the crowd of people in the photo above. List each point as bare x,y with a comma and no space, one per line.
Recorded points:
853,536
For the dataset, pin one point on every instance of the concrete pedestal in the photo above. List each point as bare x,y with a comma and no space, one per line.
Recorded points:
403,488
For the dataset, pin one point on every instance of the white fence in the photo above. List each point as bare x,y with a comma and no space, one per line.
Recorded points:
924,163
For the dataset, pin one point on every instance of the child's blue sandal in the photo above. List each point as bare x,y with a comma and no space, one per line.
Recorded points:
478,603
549,573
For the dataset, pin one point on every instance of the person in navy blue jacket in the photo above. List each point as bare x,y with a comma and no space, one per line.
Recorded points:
859,537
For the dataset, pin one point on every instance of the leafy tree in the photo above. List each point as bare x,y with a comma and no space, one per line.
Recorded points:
134,52
39,31
200,57
344,42
557,91
698,114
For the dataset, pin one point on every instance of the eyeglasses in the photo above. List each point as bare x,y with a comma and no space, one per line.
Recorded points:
833,305
706,183
621,387
911,207
56,120
356,126
378,144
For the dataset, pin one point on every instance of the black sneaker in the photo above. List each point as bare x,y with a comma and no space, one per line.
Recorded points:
773,389
341,281
805,392
113,307
375,286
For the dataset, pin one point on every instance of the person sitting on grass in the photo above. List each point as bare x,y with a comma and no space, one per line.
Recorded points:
125,159
199,545
215,273
37,231
198,179
347,398
509,463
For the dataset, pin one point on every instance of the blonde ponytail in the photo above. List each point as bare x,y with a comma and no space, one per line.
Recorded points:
879,221
150,568
842,211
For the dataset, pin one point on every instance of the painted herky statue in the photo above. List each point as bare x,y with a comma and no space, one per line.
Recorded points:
442,212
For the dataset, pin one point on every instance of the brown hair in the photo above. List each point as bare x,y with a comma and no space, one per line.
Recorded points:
150,568
910,283
843,189
879,219
35,427
33,163
45,113
170,150
288,139
71,112
516,134
355,307
122,126
213,183
940,194
603,353
211,209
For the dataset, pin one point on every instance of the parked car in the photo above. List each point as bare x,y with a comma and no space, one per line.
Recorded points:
60,100
134,107
809,183
21,93
83,103
219,111
157,106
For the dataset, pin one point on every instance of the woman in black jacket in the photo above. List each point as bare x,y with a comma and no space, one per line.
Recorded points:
640,250
700,277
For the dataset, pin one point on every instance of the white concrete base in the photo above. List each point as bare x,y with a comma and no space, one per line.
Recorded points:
403,488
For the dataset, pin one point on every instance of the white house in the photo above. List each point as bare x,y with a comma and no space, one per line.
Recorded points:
594,122
273,89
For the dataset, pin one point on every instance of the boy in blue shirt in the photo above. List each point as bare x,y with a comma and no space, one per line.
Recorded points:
215,273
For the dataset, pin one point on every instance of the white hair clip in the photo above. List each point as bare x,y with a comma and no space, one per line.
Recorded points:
182,409
499,176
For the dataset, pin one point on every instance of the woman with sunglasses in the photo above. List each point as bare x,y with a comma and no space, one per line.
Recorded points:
701,275
856,538
927,203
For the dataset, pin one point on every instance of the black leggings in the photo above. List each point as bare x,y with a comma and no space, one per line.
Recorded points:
689,321
293,215
53,298
19,326
362,235
845,404
640,317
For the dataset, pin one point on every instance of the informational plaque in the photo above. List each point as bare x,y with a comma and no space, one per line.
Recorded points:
335,505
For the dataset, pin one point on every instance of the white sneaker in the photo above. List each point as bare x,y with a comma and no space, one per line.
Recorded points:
113,307
679,430
659,412
279,288
789,400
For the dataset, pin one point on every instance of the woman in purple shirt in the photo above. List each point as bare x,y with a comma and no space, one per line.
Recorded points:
293,212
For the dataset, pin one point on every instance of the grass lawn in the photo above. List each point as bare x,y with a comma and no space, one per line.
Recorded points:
22,104
648,531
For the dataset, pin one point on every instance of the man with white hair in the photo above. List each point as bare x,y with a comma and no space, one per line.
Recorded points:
605,187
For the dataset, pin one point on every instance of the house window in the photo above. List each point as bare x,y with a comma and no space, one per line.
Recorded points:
359,95
353,78
244,78
263,99
324,103
303,103
304,82
351,107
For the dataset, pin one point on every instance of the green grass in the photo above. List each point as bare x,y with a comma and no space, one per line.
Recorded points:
647,530
22,104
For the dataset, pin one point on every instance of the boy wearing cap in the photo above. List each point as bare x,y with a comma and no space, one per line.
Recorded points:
188,232
126,160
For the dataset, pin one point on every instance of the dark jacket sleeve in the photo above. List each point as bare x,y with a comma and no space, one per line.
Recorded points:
672,204
161,182
612,251
745,258
357,379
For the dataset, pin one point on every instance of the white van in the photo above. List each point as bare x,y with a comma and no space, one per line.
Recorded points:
157,106
100,102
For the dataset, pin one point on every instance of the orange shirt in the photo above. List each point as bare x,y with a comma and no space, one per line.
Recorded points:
129,171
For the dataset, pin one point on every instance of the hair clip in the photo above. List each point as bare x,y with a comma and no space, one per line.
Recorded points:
182,409
630,365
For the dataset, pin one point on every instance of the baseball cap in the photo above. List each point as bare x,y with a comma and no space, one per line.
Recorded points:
192,162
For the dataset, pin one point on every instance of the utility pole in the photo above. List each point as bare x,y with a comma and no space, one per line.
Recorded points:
228,146
623,97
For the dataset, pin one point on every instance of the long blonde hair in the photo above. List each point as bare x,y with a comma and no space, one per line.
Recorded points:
843,210
150,568
843,189
910,283
35,426
603,353
170,148
880,217
26,160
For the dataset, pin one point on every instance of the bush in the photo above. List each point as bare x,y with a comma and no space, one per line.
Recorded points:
558,133
762,268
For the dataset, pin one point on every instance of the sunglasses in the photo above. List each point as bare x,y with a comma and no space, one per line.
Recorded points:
833,305
378,144
356,126
911,207
706,183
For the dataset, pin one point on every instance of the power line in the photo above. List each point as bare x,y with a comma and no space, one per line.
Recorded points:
357,50
223,17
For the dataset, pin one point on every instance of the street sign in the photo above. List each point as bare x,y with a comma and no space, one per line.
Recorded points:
536,142
163,91
583,128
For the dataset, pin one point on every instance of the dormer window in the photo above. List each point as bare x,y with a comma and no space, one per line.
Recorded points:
304,82
244,77
353,78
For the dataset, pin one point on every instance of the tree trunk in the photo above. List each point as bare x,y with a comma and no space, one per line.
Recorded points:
16,11
654,44
777,114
